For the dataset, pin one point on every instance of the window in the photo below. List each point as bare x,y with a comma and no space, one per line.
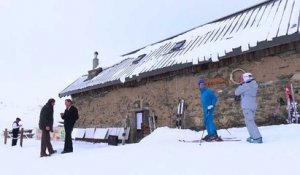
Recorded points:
177,46
138,59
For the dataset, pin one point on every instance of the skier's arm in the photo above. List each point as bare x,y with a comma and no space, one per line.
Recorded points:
239,90
62,115
76,116
214,99
42,123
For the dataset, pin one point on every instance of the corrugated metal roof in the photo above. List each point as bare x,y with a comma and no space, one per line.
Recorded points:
273,22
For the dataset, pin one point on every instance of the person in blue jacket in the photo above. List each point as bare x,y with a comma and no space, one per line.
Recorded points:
208,99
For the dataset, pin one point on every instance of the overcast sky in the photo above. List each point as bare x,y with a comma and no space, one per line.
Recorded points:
45,45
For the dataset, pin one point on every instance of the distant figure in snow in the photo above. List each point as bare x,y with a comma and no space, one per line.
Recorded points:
69,116
247,90
15,131
208,99
46,125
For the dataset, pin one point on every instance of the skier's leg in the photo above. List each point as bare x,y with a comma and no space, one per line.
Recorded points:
210,126
48,143
250,123
68,140
43,143
14,139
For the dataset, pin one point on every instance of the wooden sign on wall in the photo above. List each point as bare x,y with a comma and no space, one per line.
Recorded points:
215,82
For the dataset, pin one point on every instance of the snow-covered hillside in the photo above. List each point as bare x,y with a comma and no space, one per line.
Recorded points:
161,153
29,113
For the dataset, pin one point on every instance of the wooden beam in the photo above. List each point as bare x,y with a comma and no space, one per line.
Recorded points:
22,136
5,135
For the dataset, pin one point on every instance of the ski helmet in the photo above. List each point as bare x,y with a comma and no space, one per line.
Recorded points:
247,77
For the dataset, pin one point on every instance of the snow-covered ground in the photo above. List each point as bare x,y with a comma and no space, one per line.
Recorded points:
161,153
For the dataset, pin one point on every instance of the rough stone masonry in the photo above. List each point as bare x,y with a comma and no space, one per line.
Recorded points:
160,94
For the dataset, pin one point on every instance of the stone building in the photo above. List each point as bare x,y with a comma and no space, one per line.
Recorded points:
263,39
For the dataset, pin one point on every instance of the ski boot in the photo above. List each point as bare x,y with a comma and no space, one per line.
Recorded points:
214,138
251,140
205,138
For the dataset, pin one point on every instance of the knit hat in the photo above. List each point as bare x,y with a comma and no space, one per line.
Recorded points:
200,81
18,119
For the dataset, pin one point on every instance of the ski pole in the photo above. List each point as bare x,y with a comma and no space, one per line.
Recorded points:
228,131
202,135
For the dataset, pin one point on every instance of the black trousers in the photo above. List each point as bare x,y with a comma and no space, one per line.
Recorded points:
14,139
68,140
45,143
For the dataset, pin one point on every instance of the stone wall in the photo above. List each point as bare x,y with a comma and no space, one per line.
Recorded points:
108,108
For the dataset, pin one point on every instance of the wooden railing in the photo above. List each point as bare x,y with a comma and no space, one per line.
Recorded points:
27,133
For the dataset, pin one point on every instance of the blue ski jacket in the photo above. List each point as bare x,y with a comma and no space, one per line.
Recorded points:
208,97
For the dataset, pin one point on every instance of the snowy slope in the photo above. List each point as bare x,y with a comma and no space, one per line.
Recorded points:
29,113
161,153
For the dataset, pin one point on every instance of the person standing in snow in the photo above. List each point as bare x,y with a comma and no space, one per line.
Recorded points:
15,131
247,90
69,116
46,125
208,99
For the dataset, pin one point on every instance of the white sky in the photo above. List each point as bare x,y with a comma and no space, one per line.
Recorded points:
46,44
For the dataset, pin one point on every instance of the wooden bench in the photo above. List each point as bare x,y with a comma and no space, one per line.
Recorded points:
97,135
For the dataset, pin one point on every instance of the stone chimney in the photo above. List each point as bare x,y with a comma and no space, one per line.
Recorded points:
95,60
96,70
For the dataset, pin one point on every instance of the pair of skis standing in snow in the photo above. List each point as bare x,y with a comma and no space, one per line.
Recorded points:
293,114
247,91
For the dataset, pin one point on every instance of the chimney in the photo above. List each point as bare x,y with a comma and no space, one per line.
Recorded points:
96,70
95,60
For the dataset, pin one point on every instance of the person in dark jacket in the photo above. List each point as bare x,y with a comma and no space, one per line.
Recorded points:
46,125
15,131
208,99
69,116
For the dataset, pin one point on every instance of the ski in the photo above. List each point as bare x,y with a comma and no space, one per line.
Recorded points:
180,113
189,141
220,140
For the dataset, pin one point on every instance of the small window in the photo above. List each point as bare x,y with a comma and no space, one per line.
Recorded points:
177,46
138,59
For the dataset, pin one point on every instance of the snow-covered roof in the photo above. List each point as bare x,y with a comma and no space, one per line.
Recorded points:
267,24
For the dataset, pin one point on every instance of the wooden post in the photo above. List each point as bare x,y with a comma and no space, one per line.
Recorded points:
154,122
125,131
150,126
5,135
21,139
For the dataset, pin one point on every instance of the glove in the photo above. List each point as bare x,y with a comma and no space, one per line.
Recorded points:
237,98
210,107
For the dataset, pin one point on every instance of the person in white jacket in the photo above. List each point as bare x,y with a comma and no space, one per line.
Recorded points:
247,90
